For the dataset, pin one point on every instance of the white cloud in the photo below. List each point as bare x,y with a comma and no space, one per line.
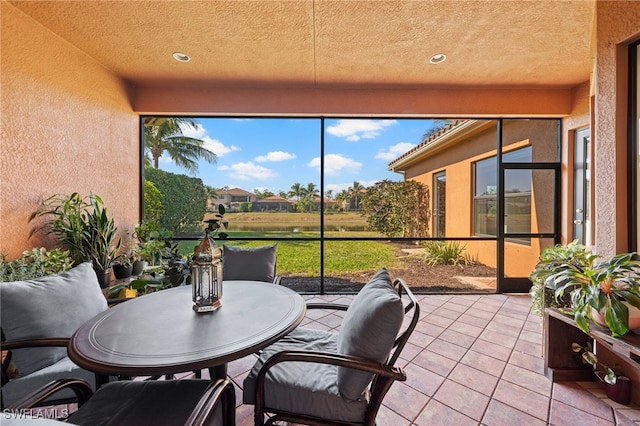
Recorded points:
213,145
354,130
218,147
196,133
335,164
275,156
248,171
394,151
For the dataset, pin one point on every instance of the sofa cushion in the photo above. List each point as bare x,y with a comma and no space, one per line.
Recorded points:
254,263
51,306
302,387
369,329
16,389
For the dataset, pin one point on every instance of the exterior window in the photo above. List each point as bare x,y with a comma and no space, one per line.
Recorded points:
517,195
439,204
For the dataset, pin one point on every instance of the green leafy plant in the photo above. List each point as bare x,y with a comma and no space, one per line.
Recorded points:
34,263
446,253
141,285
602,287
82,226
214,224
602,371
551,261
100,241
397,208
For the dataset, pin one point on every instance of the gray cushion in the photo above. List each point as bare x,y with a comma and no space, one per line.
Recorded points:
254,264
51,306
302,387
152,402
16,389
369,329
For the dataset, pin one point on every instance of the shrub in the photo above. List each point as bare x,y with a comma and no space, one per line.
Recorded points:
446,253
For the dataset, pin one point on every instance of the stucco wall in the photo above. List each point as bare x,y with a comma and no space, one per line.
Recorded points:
457,160
616,25
66,126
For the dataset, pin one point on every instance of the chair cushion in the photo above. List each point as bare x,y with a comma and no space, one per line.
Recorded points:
152,402
51,306
369,329
255,263
16,389
303,387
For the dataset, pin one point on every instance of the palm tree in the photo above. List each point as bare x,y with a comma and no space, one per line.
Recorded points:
341,199
296,191
354,191
166,135
311,191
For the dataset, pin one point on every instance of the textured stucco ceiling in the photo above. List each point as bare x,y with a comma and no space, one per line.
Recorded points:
325,43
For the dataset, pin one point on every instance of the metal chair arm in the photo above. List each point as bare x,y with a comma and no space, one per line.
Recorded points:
34,343
220,391
80,388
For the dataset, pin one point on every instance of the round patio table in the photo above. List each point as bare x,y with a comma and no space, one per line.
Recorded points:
160,333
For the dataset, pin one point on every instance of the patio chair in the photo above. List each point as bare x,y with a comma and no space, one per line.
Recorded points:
319,377
252,264
158,403
37,318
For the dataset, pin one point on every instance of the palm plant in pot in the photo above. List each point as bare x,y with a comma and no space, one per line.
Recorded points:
552,260
604,292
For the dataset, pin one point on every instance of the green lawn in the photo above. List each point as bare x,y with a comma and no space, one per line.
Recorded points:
303,257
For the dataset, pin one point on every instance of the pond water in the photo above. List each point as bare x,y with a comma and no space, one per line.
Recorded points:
295,229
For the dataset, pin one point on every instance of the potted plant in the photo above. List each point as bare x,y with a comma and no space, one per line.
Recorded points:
551,261
604,292
83,226
617,387
123,265
34,263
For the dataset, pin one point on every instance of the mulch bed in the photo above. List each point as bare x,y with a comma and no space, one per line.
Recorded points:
420,276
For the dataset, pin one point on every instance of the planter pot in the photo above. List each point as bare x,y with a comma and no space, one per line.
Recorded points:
621,391
104,277
122,271
138,267
634,317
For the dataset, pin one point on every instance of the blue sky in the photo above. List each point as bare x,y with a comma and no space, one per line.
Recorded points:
274,154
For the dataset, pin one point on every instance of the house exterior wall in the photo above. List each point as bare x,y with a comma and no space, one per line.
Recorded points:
458,159
66,126
616,27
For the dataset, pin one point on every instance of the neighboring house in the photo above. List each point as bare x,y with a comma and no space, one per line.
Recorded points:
459,165
234,197
274,203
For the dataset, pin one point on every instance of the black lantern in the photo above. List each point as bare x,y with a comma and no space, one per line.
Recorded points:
206,275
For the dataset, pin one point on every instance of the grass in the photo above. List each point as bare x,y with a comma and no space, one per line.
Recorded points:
303,257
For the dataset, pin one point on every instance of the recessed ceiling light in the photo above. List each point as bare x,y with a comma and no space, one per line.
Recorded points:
438,58
181,57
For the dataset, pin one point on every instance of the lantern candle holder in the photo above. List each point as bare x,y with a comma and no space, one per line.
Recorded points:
206,275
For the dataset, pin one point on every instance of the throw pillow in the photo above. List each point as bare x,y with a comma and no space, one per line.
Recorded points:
51,306
254,264
369,329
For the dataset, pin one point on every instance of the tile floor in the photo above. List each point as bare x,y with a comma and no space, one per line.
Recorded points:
474,360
